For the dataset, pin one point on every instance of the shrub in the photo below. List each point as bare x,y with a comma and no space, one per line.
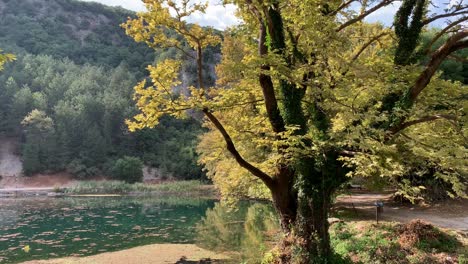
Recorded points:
128,169
119,187
426,237
81,171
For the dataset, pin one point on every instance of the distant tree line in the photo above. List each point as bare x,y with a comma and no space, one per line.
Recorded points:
71,117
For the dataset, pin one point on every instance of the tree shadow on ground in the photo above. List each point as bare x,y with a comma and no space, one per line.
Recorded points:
184,260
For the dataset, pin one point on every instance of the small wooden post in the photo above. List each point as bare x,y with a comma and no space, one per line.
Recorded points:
378,210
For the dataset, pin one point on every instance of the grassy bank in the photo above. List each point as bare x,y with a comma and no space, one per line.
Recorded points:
416,242
390,242
118,187
355,238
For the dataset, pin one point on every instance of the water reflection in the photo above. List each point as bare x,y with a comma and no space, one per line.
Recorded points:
59,227
247,231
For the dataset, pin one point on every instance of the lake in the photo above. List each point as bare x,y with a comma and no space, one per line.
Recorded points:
42,228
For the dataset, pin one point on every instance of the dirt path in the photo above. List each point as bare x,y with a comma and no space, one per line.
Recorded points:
150,254
450,214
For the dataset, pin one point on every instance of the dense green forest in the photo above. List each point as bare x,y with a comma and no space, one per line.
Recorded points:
69,92
83,32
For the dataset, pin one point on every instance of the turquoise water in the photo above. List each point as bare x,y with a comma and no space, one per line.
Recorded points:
57,227
81,226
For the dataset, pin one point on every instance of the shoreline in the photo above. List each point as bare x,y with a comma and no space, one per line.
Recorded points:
113,188
148,254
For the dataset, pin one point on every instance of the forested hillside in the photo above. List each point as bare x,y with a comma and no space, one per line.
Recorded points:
83,32
69,92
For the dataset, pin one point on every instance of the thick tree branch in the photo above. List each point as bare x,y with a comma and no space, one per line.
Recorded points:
443,31
364,14
456,42
269,182
271,103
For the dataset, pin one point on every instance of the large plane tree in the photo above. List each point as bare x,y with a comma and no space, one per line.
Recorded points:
309,95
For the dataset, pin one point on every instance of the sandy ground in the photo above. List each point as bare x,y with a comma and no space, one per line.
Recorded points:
449,214
150,254
11,170
10,163
11,167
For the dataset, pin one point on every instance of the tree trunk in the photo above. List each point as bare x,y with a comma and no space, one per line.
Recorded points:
320,210
285,199
306,238
303,204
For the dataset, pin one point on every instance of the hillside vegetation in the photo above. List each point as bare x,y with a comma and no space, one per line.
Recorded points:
68,94
83,32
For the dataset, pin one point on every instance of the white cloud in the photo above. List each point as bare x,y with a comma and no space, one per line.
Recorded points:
135,5
217,15
222,16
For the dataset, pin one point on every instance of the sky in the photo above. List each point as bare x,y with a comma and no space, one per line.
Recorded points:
217,15
220,17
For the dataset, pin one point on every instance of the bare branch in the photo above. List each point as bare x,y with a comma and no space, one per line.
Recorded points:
363,48
457,12
425,119
451,119
348,153
341,7
269,182
241,104
364,14
183,51
458,58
